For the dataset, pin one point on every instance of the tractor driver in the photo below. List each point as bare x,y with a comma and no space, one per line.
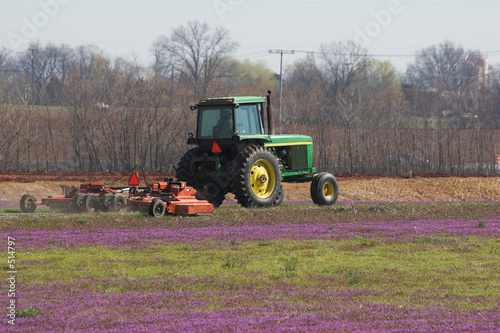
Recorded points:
225,123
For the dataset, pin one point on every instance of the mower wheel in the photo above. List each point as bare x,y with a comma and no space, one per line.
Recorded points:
106,202
324,189
90,203
28,203
118,204
77,202
157,208
255,177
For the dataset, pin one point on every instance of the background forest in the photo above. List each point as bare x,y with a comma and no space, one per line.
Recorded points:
65,108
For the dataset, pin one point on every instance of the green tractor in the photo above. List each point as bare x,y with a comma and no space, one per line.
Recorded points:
234,154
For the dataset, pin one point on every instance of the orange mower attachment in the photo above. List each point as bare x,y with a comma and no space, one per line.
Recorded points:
170,197
88,198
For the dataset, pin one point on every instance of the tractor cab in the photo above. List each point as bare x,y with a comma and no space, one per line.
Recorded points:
226,120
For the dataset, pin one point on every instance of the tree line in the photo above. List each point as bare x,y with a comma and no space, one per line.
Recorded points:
64,108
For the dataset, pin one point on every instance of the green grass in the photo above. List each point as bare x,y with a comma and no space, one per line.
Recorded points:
459,266
291,266
28,312
18,210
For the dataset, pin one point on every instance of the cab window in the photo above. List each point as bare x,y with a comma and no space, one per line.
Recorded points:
248,120
215,122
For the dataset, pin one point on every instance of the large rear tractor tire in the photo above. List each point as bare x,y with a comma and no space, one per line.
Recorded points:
255,177
324,189
207,191
184,167
28,203
280,197
212,193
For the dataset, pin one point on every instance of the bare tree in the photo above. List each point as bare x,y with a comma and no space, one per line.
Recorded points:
302,91
341,65
196,52
7,73
446,67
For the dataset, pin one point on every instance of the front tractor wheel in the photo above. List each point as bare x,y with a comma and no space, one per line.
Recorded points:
255,177
324,189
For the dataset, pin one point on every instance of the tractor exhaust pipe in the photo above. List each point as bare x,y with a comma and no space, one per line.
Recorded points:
270,127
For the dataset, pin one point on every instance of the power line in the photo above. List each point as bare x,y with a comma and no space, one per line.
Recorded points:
387,55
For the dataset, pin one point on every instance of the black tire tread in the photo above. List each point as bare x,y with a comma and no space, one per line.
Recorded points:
184,167
217,200
280,197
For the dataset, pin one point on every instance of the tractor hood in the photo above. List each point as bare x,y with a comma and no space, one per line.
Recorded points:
288,140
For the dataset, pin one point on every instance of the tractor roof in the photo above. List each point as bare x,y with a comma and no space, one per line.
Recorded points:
233,100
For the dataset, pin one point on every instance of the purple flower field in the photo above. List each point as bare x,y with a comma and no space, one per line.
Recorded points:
144,237
355,268
249,310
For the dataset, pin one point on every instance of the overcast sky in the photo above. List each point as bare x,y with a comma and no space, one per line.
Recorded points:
392,30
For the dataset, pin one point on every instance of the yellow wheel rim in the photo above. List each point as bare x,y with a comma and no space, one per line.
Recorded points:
328,190
262,178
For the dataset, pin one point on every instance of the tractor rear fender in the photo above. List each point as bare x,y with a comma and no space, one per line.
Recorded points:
245,143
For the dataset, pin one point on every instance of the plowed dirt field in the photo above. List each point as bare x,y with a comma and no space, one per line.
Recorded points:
371,188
